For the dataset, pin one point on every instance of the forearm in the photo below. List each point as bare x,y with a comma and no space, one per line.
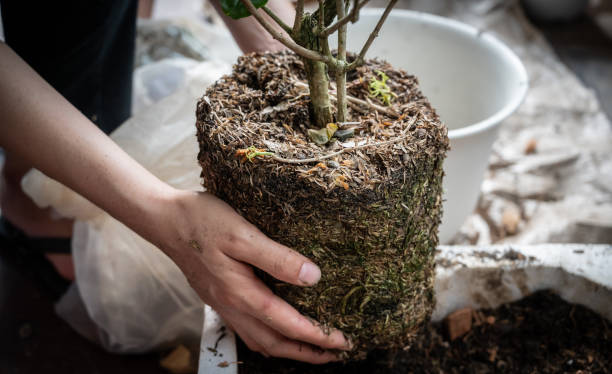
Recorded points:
250,35
41,127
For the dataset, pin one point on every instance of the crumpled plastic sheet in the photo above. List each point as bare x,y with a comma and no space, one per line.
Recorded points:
136,297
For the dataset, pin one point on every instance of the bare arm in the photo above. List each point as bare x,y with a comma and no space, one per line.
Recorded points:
205,237
250,35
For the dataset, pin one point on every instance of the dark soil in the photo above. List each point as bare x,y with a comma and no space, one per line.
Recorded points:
539,334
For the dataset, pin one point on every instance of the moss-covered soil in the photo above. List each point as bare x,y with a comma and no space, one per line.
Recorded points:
365,208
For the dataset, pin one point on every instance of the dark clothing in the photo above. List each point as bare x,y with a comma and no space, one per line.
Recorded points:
84,49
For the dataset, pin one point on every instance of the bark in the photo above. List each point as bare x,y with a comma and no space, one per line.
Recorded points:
316,72
318,83
340,69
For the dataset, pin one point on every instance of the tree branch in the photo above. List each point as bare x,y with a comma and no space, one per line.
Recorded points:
340,10
321,11
330,12
351,17
340,72
299,14
333,93
276,34
277,19
356,13
359,60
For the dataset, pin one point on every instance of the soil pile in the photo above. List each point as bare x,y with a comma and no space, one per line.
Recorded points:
365,208
539,334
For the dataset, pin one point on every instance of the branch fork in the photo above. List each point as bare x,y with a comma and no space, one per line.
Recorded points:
293,37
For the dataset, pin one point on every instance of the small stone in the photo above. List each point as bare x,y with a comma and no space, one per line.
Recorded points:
510,221
459,323
333,164
531,146
421,133
344,134
179,361
477,318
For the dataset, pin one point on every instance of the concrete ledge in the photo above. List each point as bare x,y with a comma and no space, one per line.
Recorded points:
488,276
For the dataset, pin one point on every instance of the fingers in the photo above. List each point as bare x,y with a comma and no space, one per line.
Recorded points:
236,288
261,338
281,262
273,311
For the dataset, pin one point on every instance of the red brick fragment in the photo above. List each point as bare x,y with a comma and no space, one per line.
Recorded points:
458,323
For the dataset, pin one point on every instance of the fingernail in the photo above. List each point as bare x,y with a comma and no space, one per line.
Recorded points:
309,273
349,344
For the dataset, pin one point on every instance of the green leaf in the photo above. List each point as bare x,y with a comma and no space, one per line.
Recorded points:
235,9
380,88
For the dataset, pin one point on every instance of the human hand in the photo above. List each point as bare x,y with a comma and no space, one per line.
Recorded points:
206,238
214,246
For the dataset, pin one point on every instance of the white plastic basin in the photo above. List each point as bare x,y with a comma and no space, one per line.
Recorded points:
473,81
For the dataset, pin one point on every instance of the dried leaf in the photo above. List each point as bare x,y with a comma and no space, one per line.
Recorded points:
320,136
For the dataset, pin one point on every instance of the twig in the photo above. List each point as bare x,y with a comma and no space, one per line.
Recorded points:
306,53
343,150
323,40
358,107
381,109
277,19
321,11
356,12
327,52
299,13
387,111
341,11
340,72
359,60
351,17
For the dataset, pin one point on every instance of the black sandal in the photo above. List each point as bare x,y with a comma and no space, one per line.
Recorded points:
27,254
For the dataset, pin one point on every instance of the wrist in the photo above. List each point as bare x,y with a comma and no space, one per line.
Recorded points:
152,212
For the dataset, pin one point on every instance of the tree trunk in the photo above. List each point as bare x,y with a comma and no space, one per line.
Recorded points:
318,83
316,72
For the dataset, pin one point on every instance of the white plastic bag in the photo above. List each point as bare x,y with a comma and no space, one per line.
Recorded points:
137,297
